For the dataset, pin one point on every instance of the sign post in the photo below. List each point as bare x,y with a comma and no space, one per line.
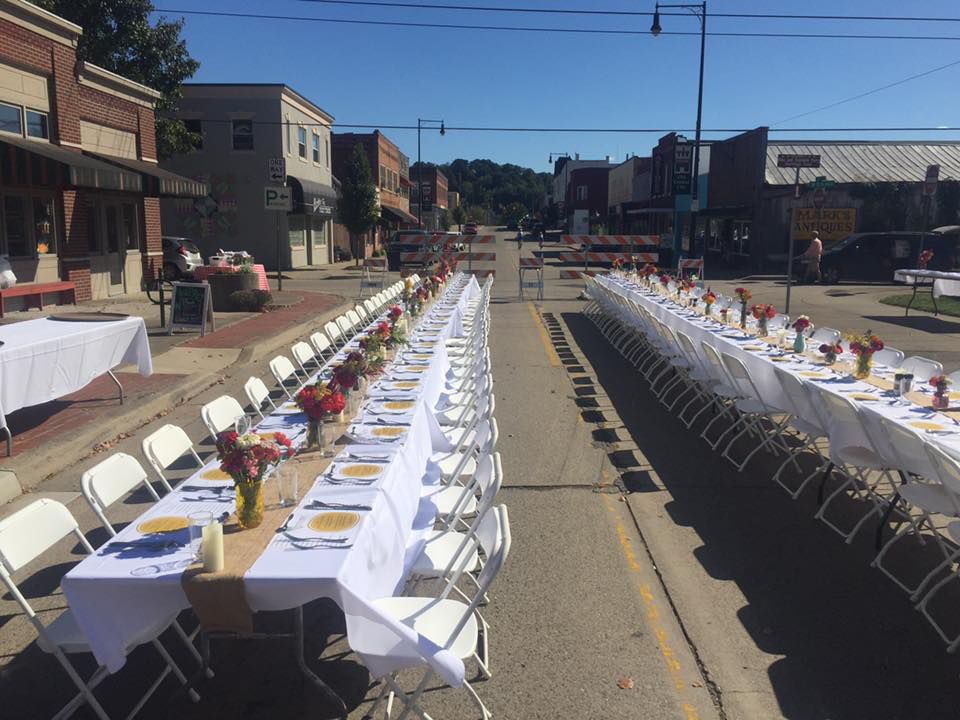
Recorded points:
929,192
797,162
277,199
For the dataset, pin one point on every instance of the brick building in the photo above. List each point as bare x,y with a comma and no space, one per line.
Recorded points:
433,184
391,173
79,182
586,199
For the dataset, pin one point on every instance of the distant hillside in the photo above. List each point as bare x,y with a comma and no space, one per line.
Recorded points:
494,186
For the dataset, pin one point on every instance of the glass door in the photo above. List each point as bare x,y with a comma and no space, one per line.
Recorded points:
115,250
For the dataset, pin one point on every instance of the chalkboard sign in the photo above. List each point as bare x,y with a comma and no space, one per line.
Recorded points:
190,307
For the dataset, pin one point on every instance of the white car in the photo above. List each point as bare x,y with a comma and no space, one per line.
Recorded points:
180,257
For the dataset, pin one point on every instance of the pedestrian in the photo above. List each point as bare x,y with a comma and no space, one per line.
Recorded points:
540,238
812,258
519,240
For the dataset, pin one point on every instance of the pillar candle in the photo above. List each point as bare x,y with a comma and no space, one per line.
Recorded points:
213,547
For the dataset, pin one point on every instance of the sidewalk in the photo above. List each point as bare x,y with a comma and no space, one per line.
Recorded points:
57,435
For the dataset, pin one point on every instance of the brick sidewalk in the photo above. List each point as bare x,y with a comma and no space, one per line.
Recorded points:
249,331
39,424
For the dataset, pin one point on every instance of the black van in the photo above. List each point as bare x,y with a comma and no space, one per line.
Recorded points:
874,257
397,245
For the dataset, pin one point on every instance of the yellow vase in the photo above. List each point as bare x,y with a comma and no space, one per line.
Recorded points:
249,504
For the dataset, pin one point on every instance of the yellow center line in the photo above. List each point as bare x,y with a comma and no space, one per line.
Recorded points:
652,615
547,346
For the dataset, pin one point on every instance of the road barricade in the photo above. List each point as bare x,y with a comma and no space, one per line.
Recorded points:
531,266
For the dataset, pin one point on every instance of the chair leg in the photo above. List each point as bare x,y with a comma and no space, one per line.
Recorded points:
86,689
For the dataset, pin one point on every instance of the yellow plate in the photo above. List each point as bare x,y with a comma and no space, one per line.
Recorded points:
360,471
399,405
421,356
334,521
754,347
268,436
427,343
923,425
215,474
388,431
814,374
165,524
864,397
781,359
412,368
406,385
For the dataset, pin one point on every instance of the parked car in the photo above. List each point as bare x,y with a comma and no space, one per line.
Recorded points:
470,229
180,257
399,244
875,256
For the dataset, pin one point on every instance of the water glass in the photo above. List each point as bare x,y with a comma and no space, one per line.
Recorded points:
198,521
241,424
287,477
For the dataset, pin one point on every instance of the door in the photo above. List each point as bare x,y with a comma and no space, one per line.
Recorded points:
115,250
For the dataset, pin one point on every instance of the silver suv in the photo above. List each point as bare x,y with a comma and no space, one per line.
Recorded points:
180,257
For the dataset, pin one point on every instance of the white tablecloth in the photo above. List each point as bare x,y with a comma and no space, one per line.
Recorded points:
114,595
944,283
43,359
731,341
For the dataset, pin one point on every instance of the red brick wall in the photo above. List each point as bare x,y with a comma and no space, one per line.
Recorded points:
23,48
147,133
151,234
78,272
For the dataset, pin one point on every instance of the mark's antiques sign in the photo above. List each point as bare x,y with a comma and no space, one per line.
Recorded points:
832,223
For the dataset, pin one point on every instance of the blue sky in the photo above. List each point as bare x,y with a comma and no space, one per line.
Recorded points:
392,76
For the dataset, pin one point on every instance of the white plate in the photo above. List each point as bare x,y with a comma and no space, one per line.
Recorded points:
382,409
339,469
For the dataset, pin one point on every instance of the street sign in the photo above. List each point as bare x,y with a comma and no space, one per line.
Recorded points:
277,198
682,168
276,170
930,181
798,161
426,194
821,183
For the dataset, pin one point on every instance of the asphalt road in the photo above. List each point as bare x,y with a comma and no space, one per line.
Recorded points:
639,559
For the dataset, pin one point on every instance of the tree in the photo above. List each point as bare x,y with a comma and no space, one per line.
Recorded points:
459,217
117,36
513,213
443,220
357,206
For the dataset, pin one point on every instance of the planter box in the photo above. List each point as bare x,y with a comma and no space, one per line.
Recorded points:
223,284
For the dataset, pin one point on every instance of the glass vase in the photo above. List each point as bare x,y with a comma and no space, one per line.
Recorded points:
864,365
762,326
940,402
249,504
743,316
800,343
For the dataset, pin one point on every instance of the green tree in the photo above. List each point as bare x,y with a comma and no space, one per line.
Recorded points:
459,217
357,206
117,35
477,214
444,220
514,212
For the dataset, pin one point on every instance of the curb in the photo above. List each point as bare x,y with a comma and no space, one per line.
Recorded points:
82,443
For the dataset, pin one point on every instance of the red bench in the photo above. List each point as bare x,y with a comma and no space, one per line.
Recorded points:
36,291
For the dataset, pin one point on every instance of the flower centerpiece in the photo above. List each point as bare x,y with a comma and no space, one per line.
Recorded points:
246,458
708,300
941,398
320,403
398,332
617,265
925,257
351,374
649,270
374,343
830,352
743,296
763,315
802,324
864,346
434,282
664,281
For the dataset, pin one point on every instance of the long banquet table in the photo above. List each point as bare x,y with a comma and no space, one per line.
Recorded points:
762,361
115,594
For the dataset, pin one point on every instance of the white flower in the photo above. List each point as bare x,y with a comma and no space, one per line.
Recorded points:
247,441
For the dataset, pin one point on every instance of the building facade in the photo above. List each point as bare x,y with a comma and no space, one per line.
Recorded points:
243,127
586,201
628,195
433,186
391,173
80,186
563,167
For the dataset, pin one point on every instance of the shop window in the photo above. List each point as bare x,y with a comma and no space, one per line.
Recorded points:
581,192
741,238
302,142
44,226
129,227
195,126
296,230
93,228
113,229
242,134
11,120
15,227
37,125
316,148
319,233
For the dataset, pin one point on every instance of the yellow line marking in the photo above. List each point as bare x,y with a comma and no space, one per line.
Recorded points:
652,614
547,346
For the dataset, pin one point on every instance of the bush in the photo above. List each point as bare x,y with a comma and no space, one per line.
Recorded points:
380,252
250,300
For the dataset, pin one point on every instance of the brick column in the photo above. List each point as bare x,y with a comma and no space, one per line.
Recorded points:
74,250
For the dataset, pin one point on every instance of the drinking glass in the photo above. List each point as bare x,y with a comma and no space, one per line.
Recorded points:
287,477
241,424
198,520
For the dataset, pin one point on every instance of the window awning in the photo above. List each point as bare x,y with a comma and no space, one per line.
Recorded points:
159,181
401,215
77,169
311,197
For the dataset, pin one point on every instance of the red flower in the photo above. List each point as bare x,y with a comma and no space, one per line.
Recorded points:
395,313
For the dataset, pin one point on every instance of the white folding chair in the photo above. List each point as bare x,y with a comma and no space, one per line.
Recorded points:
322,346
346,328
258,393
285,374
164,447
221,414
825,336
25,536
332,331
888,357
921,368
111,479
806,421
306,358
450,624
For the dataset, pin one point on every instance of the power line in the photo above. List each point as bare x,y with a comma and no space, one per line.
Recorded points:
870,92
578,31
629,13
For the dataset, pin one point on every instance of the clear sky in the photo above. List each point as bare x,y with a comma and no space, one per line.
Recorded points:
392,76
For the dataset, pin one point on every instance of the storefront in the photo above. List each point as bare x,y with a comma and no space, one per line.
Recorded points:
309,223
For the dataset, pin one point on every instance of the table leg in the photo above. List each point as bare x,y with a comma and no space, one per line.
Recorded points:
906,311
307,672
9,435
117,382
933,298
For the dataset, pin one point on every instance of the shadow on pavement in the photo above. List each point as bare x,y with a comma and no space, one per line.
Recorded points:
924,323
850,644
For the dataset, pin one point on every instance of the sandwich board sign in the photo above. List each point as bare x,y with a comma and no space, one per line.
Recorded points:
191,308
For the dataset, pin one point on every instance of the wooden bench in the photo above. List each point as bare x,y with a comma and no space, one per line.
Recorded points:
34,292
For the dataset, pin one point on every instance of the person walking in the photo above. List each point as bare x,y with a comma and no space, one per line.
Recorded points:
519,240
812,258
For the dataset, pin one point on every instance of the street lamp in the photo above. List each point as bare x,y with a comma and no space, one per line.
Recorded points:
700,10
443,131
557,155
